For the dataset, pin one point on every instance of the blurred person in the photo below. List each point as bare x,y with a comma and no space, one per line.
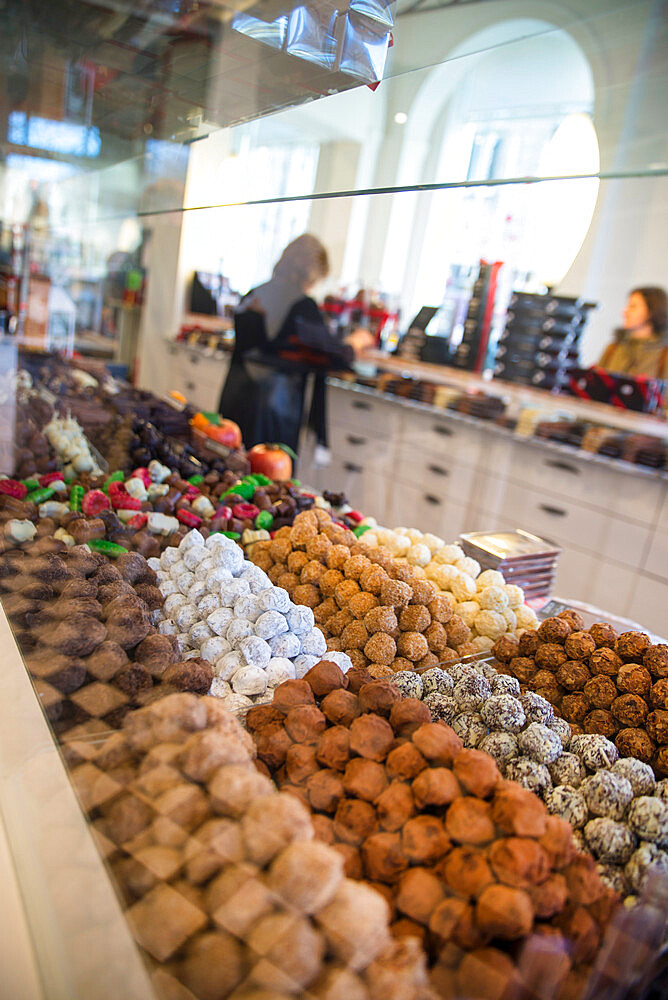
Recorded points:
280,339
641,346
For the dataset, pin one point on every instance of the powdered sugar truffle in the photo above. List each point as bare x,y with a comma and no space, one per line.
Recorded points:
303,664
237,630
219,688
173,602
154,564
286,644
247,606
231,590
207,605
256,579
167,627
228,557
237,704
342,660
197,591
193,539
569,803
169,557
256,651
217,578
183,641
192,558
271,623
279,669
184,581
213,648
186,616
227,665
250,680
300,619
199,633
219,620
275,599
168,587
314,642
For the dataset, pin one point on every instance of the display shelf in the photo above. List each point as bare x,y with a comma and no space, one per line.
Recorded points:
492,428
522,395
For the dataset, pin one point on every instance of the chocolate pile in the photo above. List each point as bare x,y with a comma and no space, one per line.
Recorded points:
599,681
227,891
468,861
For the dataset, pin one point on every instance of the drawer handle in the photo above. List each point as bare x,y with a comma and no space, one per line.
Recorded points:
553,511
361,405
438,470
440,429
352,439
557,463
350,467
190,386
436,501
194,360
172,351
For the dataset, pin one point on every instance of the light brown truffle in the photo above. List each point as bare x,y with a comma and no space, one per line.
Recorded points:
469,821
504,912
333,749
371,736
381,648
439,744
306,876
378,696
419,893
383,857
340,707
395,806
325,790
355,820
476,772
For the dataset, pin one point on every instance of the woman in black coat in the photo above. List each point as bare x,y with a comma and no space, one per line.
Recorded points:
280,338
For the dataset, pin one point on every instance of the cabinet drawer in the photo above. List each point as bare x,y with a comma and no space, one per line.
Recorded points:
356,410
360,446
441,437
662,520
443,476
431,511
570,523
364,487
657,556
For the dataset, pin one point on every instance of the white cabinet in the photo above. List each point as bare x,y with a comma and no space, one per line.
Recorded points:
198,376
436,472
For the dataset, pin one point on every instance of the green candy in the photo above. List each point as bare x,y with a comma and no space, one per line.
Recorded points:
234,535
261,479
76,496
30,484
295,482
245,490
360,529
264,520
196,480
39,496
110,549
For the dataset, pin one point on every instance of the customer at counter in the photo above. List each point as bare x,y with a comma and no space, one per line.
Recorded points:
280,338
641,347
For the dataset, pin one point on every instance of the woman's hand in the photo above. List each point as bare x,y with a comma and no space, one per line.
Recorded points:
360,340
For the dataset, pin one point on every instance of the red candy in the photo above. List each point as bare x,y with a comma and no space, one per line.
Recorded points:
13,488
51,477
138,522
355,516
243,511
191,492
94,502
143,474
223,512
121,499
188,518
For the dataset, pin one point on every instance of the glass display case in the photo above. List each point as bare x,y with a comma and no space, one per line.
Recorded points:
160,840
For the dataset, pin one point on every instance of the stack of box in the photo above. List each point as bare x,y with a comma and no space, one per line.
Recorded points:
524,559
471,352
540,343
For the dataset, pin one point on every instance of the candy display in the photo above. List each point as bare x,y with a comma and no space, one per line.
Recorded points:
224,609
487,606
599,681
467,860
227,892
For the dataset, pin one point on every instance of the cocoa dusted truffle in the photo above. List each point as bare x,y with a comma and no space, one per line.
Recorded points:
573,675
190,675
656,660
631,646
550,656
529,643
555,630
371,736
633,742
575,707
657,726
603,635
605,661
600,691
634,679
603,722
325,677
629,710
340,707
579,645
505,648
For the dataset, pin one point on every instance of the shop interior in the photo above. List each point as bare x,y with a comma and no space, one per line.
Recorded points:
489,179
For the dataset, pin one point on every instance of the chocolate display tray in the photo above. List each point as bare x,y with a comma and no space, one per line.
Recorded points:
503,545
